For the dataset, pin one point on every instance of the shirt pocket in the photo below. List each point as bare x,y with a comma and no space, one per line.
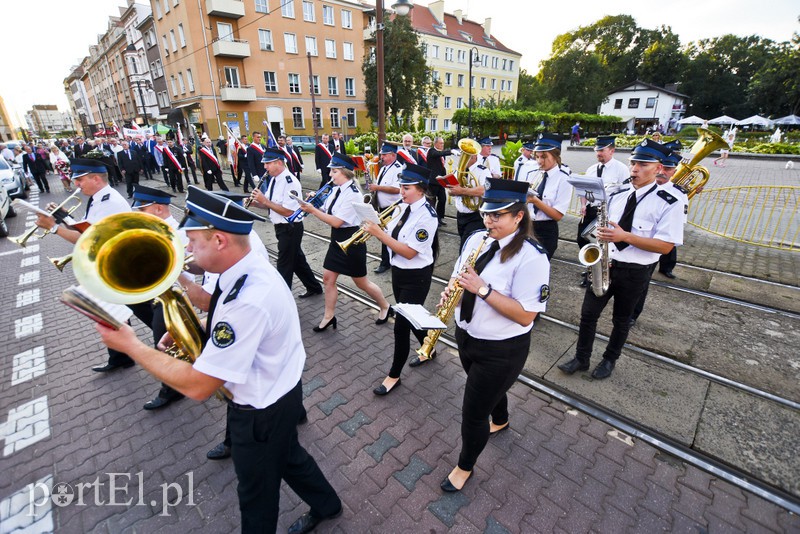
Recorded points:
644,228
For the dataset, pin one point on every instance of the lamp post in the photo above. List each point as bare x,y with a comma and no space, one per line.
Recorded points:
472,53
402,8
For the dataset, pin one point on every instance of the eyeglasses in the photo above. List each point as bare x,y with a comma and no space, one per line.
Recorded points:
494,215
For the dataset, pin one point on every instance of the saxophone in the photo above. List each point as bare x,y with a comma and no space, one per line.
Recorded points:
594,256
448,308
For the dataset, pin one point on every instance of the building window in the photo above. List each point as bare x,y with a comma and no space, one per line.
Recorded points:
433,123
156,69
294,83
287,9
173,41
505,62
348,51
462,56
270,82
448,54
224,31
459,102
297,118
502,85
158,11
448,101
350,87
148,39
232,76
434,51
315,84
333,86
181,83
347,19
261,6
351,117
174,86
190,80
446,124
460,80
483,82
165,45
335,118
618,103
317,117
265,39
327,15
494,62
494,84
163,99
311,46
511,65
434,102
330,48
435,75
166,6
448,78
181,36
633,103
308,11
651,102
290,42
472,82
509,85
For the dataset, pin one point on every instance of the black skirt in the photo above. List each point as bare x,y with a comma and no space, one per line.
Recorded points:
354,263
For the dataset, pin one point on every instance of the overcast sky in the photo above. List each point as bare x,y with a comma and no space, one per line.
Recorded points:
42,43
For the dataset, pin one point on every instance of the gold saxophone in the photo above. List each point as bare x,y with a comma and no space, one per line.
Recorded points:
447,309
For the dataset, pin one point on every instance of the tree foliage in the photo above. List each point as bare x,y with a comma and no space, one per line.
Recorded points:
526,123
409,82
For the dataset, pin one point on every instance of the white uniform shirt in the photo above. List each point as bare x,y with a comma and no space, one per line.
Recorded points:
557,191
343,208
492,162
173,223
255,343
480,172
614,173
670,188
417,232
389,176
524,277
105,202
256,245
523,166
658,215
279,190
408,153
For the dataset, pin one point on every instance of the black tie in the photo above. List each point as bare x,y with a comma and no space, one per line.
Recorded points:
516,175
214,299
626,221
335,198
600,171
540,190
88,205
468,300
401,222
380,178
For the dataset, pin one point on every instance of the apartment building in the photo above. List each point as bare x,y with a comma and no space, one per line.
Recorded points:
239,63
7,132
45,119
449,39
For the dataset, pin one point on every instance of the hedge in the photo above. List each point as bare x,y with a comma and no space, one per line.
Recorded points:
524,122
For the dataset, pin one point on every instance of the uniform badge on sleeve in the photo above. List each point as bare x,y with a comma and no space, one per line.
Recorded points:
544,293
422,235
105,197
223,335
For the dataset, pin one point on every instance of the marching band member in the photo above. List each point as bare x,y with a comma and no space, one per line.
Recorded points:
613,172
255,349
525,163
388,190
411,238
339,214
649,222
483,166
550,201
493,331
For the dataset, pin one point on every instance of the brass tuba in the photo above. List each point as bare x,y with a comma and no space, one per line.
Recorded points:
468,147
689,174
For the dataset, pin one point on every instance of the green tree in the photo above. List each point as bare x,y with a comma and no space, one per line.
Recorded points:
663,61
577,78
775,89
409,83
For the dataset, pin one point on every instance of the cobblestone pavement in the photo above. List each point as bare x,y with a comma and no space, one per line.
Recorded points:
556,470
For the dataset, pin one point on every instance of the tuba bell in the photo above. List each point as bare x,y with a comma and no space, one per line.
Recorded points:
468,147
689,174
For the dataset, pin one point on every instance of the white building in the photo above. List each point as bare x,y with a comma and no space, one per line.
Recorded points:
642,105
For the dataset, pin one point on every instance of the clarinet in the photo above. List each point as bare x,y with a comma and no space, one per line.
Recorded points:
249,200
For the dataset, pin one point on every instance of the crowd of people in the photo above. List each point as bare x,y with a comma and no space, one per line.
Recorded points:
499,284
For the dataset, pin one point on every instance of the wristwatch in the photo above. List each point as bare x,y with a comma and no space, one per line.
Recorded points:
485,291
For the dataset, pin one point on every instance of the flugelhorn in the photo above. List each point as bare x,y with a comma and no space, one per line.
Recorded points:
469,147
689,174
361,236
60,213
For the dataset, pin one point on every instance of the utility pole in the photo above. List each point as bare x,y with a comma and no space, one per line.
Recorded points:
313,100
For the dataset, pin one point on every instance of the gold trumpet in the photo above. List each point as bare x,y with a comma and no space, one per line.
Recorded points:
361,236
689,174
60,213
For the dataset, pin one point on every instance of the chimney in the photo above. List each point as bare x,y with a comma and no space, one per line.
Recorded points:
437,8
487,27
459,15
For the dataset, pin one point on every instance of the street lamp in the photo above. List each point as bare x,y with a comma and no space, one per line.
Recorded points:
472,53
402,8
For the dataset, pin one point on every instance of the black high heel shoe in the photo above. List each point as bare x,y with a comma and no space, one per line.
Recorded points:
390,313
332,322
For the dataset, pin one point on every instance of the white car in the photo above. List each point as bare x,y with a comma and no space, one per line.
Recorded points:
6,210
13,180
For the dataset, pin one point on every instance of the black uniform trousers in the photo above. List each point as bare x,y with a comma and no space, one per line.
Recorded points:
468,223
492,367
588,217
628,281
144,312
41,181
291,259
175,179
131,178
546,233
214,176
384,248
265,451
326,176
440,196
637,310
409,286
159,329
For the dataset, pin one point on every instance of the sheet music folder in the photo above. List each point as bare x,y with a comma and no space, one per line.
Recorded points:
588,185
419,317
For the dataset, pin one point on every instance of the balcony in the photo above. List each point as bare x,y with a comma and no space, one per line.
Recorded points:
238,93
369,32
233,48
232,9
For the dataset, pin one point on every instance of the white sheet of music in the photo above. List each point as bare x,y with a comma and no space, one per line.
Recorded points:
419,317
366,212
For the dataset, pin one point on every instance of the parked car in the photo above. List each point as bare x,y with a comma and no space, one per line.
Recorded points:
13,180
6,211
304,142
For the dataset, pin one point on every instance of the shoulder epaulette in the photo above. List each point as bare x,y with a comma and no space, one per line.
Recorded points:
234,292
538,246
568,171
494,155
105,197
680,188
431,210
618,192
666,196
397,164
353,188
289,178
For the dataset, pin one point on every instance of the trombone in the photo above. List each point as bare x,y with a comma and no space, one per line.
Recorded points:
60,213
361,237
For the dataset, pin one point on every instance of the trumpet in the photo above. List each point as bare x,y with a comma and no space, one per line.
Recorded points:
60,213
361,236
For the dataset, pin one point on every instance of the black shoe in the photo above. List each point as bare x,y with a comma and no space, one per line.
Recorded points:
448,486
573,365
382,391
381,269
442,223
107,368
668,274
585,282
631,323
604,369
160,402
416,361
308,522
332,322
390,313
220,452
310,293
